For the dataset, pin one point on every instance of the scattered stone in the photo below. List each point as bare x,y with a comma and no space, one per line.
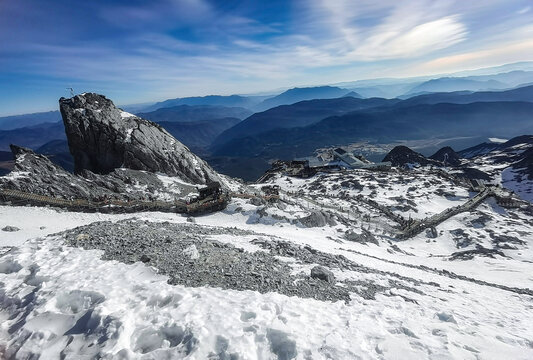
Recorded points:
462,239
191,252
257,201
318,219
10,228
480,251
446,317
364,237
319,272
432,233
82,237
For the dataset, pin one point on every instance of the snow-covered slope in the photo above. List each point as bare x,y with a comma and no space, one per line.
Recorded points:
510,165
242,284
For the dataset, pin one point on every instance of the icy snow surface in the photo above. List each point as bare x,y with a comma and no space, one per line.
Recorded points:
64,302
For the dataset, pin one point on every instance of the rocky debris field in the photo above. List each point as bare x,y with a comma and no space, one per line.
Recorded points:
189,256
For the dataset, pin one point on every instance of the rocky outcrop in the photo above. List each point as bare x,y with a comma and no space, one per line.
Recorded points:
447,156
103,138
526,164
36,174
404,156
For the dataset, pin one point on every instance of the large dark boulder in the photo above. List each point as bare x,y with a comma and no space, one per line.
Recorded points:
102,138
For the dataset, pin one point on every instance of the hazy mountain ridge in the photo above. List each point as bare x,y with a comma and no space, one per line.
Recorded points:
32,137
519,94
28,120
414,122
295,95
199,135
247,102
300,114
191,113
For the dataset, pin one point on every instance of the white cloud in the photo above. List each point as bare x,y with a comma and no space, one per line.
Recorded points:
497,55
419,40
524,10
324,41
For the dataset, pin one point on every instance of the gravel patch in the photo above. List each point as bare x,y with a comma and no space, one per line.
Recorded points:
189,257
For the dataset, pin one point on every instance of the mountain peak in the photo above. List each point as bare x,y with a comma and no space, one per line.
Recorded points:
402,156
447,155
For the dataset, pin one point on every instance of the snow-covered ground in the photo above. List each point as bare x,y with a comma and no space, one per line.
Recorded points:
64,302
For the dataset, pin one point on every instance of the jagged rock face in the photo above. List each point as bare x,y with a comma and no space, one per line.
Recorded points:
402,155
36,174
102,138
447,156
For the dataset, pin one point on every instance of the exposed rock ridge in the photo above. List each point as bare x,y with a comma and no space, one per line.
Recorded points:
102,138
404,156
36,174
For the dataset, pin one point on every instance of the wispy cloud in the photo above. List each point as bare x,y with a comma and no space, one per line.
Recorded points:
524,10
165,48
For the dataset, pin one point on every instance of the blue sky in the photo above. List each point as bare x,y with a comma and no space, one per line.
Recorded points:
139,51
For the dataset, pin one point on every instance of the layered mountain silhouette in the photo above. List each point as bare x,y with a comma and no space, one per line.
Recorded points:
192,113
199,135
461,97
299,114
32,136
247,102
28,120
294,95
386,125
504,80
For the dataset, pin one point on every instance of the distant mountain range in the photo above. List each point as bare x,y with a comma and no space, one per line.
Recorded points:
33,136
386,125
456,84
474,83
258,103
465,97
192,113
295,95
59,153
246,102
27,120
199,135
299,120
296,115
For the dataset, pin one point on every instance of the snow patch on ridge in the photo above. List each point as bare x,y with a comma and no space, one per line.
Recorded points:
497,140
125,114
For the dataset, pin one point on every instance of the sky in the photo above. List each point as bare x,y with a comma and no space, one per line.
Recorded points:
141,51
